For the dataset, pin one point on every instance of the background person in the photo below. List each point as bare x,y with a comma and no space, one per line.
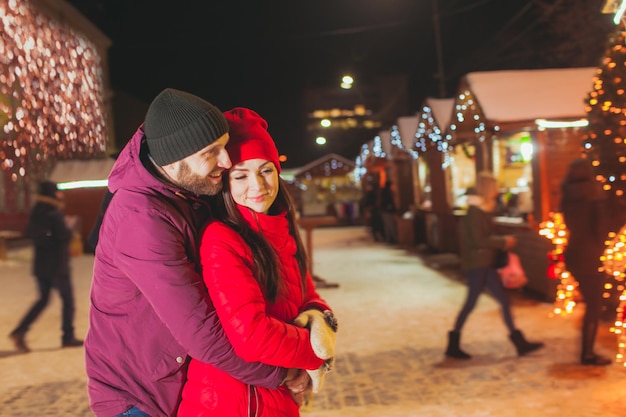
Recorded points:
51,236
388,213
149,309
583,208
479,243
254,267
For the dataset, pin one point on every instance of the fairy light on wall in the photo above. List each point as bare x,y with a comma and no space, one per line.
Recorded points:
469,117
377,147
396,140
428,134
51,96
556,232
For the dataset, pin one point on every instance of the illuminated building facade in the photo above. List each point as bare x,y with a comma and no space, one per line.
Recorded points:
54,97
347,118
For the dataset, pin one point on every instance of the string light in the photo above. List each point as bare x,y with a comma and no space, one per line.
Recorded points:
556,232
377,147
428,134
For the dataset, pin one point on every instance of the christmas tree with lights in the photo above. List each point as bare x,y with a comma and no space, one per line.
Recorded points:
605,141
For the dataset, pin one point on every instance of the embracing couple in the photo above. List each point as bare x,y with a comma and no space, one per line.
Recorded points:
201,302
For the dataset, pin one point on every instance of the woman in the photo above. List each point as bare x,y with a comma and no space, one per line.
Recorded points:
583,206
479,245
254,267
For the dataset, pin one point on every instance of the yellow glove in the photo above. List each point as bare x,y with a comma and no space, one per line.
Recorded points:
322,327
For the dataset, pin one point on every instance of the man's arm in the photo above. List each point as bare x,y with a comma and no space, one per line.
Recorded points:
153,254
241,306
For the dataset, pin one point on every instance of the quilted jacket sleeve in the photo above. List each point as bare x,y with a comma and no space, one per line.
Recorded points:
241,307
311,298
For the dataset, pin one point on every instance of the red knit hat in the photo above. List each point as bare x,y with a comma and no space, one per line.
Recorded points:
249,138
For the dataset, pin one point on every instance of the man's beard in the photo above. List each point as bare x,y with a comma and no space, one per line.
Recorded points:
195,183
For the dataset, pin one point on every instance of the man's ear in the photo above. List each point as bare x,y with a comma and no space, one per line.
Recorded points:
171,169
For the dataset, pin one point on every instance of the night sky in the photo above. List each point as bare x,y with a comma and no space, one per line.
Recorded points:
260,54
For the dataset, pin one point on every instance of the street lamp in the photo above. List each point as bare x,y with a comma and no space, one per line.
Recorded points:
346,82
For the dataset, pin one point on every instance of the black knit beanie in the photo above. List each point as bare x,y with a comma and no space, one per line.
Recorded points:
47,189
179,124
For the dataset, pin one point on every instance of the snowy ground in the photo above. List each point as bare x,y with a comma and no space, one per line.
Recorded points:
394,313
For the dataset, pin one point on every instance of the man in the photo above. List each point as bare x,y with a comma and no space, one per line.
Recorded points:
51,235
149,309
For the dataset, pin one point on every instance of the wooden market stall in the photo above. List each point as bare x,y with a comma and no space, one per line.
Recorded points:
386,159
405,173
433,202
327,187
525,126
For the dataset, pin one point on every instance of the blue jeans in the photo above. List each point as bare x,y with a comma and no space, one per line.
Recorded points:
477,280
133,412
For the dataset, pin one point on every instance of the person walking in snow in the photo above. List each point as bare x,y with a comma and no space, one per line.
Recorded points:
479,244
51,236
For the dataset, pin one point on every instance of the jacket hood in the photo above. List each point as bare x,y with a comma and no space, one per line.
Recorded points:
130,173
582,190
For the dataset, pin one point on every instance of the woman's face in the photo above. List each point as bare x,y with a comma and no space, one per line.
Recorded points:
254,184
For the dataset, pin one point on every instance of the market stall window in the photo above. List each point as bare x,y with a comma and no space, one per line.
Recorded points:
462,173
512,159
423,173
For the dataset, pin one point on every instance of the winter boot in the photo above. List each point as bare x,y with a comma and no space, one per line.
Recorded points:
71,342
18,340
588,356
522,345
453,350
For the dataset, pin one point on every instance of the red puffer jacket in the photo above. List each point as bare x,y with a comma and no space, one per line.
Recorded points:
259,330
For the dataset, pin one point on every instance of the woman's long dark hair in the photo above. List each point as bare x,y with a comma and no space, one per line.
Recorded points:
266,266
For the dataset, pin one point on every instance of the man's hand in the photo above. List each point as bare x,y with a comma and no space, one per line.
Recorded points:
298,384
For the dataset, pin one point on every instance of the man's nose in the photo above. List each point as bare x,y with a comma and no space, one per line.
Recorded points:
223,160
257,182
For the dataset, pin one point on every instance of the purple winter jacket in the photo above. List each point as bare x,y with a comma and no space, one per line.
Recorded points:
149,307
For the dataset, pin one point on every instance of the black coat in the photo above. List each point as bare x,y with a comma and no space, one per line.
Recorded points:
584,211
51,238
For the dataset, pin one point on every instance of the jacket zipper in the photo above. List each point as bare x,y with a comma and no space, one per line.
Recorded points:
253,401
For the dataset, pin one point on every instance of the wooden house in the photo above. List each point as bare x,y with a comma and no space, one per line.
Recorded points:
431,149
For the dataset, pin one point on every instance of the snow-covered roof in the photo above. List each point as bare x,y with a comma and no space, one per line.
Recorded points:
334,160
442,111
407,126
515,95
